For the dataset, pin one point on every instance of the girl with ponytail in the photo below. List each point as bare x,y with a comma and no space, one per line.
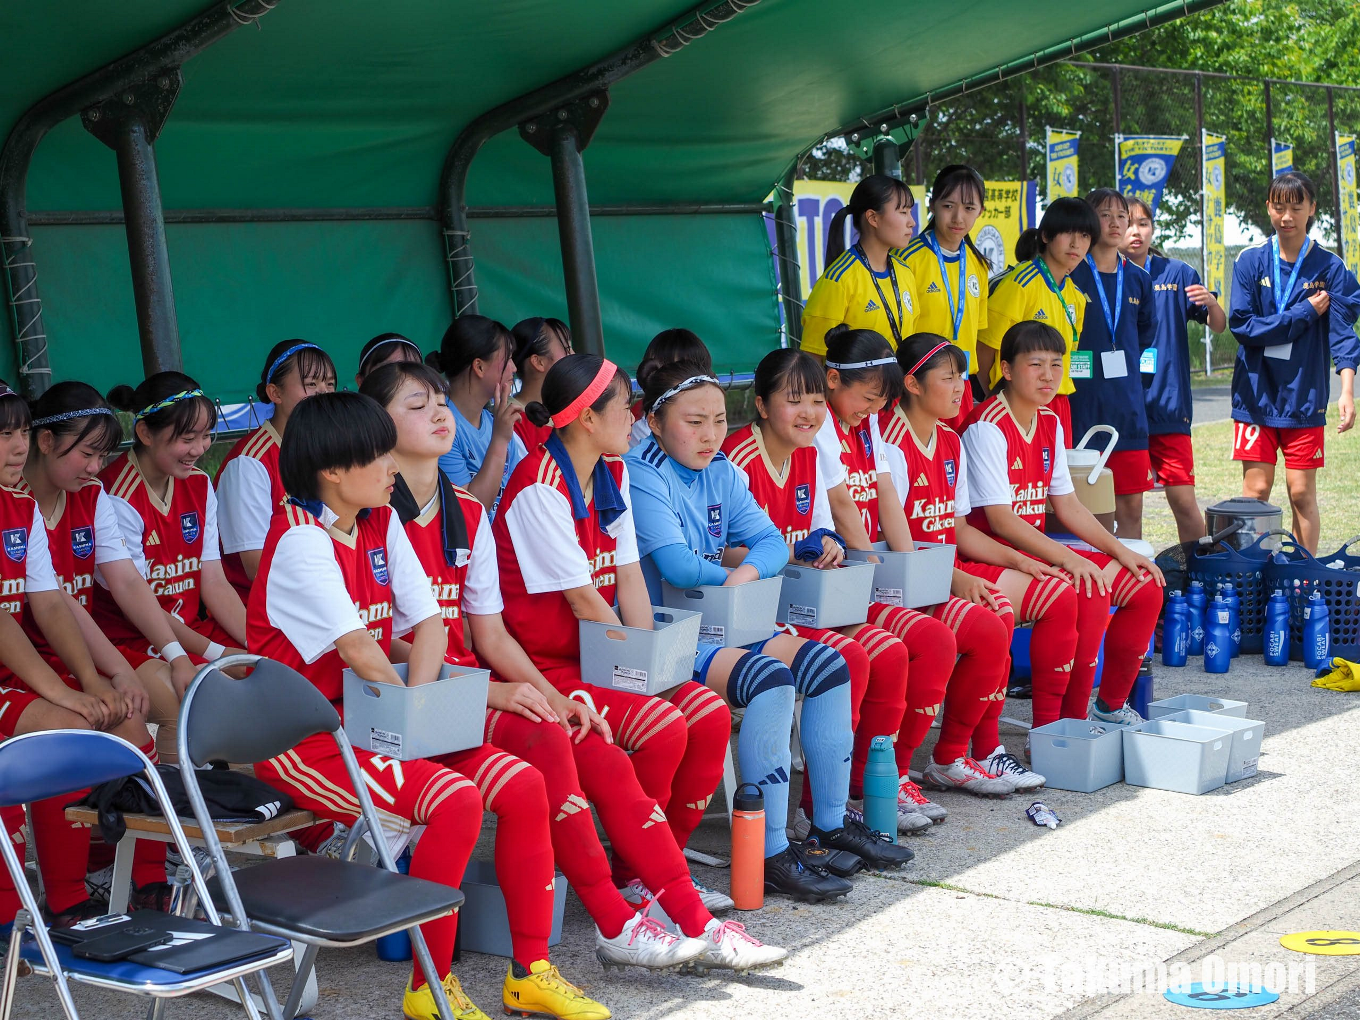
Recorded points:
539,344
864,285
950,272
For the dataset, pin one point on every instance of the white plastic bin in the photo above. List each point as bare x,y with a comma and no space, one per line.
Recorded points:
484,924
1076,754
733,615
1247,734
1176,756
826,598
915,579
407,723
637,660
1196,703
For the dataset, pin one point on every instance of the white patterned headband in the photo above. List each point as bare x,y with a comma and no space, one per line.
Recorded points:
84,412
845,366
679,388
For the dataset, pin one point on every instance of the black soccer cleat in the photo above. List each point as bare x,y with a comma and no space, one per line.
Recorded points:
871,847
796,872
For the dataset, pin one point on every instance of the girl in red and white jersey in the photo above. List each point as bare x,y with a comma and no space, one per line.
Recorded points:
669,347
1015,451
539,344
167,513
929,467
63,684
567,744
862,377
248,486
776,457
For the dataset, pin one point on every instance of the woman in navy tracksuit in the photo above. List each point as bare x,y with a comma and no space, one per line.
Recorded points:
1294,306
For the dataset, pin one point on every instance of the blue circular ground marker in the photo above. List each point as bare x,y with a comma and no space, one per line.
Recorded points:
1226,997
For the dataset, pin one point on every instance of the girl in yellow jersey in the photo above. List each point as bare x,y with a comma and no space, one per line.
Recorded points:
863,286
950,273
1040,288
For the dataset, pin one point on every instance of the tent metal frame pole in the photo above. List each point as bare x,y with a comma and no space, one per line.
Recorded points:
887,157
21,275
790,269
453,210
578,245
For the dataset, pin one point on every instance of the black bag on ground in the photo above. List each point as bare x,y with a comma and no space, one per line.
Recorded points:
231,797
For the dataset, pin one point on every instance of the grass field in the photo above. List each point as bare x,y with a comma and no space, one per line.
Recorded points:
1218,477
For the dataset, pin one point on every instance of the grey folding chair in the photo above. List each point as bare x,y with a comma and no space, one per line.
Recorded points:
50,763
317,901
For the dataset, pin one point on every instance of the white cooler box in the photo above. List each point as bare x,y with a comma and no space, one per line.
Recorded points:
912,580
637,660
734,615
826,598
407,723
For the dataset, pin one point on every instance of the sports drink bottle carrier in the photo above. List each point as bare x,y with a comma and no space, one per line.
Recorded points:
1298,573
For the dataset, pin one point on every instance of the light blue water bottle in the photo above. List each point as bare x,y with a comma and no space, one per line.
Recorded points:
1234,602
1176,631
880,788
1275,646
1195,603
1317,632
1218,637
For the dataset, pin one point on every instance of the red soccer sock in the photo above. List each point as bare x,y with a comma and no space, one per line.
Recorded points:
709,724
979,635
1093,617
148,857
1127,637
62,848
656,737
930,659
524,857
441,856
986,735
884,702
11,830
1051,604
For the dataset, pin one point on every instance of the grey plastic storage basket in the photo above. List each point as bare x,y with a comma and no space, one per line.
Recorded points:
913,580
826,598
1176,756
1196,703
638,660
739,614
407,723
1245,753
1077,754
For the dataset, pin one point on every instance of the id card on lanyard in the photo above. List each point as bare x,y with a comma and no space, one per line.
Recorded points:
1283,351
1113,364
894,324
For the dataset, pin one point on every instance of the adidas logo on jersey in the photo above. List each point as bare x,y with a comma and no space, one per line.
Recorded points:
933,288
153,538
1040,315
1017,465
921,480
872,306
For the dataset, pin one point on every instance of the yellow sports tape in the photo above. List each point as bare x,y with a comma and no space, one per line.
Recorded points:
1324,943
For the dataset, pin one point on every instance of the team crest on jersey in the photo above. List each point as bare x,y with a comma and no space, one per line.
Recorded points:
82,541
950,471
377,559
188,526
974,288
16,543
715,520
802,498
1048,460
866,442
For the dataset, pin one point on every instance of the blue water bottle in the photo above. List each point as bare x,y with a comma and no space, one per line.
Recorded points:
1176,631
1317,632
1275,646
1230,596
1195,603
396,947
1218,637
880,788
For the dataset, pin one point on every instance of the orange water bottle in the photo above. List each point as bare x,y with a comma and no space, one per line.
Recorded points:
748,847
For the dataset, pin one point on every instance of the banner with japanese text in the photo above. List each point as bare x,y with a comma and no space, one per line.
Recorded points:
1062,163
1350,212
1144,163
1214,253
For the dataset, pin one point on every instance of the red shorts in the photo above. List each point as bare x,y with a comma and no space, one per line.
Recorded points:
1132,471
1173,459
1059,405
965,408
13,701
1259,443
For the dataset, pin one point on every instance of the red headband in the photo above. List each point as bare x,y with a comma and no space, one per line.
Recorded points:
928,355
588,396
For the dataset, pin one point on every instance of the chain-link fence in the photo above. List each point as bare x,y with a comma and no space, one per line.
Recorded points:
1000,130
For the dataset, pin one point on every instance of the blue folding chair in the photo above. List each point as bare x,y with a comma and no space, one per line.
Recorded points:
37,766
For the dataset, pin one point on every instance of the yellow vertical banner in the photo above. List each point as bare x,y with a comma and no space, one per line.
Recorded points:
1062,162
1281,157
1214,254
1350,212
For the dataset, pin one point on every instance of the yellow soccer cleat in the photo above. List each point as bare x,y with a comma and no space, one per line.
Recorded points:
545,992
419,1004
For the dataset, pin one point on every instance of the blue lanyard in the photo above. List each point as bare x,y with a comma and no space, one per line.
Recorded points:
957,312
1110,320
1282,298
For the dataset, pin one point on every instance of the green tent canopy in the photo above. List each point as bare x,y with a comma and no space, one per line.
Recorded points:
342,105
